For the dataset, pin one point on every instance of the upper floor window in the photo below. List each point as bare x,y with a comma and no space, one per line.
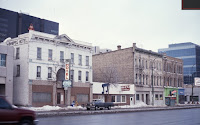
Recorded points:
72,58
79,59
39,53
87,60
18,70
61,56
50,54
3,60
72,75
79,75
17,53
38,71
49,72
87,76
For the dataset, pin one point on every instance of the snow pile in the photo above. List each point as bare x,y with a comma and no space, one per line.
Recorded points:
44,108
74,107
51,108
138,104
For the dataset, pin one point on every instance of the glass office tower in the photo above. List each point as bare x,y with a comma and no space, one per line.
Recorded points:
13,24
190,54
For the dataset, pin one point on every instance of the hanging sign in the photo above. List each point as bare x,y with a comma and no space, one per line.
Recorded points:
67,71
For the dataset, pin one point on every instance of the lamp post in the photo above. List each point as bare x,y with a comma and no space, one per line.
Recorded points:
192,84
152,83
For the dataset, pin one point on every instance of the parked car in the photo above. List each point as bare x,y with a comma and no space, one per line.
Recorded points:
99,104
13,115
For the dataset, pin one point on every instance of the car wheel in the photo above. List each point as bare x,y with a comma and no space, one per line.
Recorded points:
25,122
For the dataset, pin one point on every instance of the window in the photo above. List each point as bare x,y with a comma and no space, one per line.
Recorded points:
137,97
146,79
4,104
80,59
72,58
113,99
49,72
18,70
87,76
161,97
50,54
3,60
87,60
61,56
38,71
72,75
79,75
118,98
39,53
156,97
136,78
123,98
17,53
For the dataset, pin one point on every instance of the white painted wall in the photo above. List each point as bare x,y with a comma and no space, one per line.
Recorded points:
20,84
44,63
114,89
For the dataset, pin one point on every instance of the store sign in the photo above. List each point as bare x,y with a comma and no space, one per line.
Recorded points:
67,71
125,88
197,81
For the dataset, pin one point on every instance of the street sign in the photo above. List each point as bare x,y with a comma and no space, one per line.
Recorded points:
67,83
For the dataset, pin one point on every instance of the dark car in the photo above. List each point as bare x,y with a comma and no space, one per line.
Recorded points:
99,104
12,115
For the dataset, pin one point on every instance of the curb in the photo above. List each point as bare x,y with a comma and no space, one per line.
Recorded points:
113,111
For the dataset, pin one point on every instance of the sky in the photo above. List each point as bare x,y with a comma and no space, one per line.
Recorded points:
151,24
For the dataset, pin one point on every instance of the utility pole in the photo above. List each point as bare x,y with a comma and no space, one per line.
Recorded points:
152,86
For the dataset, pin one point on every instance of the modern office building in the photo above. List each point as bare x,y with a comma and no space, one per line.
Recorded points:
190,54
13,24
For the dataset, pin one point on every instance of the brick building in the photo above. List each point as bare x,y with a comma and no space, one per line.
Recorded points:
136,66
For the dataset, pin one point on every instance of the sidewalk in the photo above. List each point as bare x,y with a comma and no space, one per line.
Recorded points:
83,111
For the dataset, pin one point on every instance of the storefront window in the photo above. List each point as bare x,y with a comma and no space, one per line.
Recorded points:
156,97
113,99
118,98
123,98
161,97
137,97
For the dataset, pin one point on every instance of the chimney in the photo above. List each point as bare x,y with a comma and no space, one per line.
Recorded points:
134,46
118,47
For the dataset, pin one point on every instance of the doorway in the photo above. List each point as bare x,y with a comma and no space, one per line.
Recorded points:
131,101
58,98
147,99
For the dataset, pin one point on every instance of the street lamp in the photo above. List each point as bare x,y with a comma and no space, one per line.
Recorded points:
152,83
192,83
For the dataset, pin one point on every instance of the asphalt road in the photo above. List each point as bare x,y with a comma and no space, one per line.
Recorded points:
167,117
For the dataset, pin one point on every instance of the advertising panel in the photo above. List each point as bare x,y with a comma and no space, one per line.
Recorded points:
197,81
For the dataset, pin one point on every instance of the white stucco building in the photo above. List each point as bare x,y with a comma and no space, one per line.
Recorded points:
39,69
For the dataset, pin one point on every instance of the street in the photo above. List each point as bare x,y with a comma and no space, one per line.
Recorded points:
168,117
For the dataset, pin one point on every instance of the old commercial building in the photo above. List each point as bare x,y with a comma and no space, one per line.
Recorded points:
44,63
6,72
134,66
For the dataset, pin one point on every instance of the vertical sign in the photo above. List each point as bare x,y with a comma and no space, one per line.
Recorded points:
67,71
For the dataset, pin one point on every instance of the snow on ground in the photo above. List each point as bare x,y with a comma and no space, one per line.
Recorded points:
138,104
51,108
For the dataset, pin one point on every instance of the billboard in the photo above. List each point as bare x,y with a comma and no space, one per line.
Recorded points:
197,81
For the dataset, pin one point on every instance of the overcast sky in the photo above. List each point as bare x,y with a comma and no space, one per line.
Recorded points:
152,24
